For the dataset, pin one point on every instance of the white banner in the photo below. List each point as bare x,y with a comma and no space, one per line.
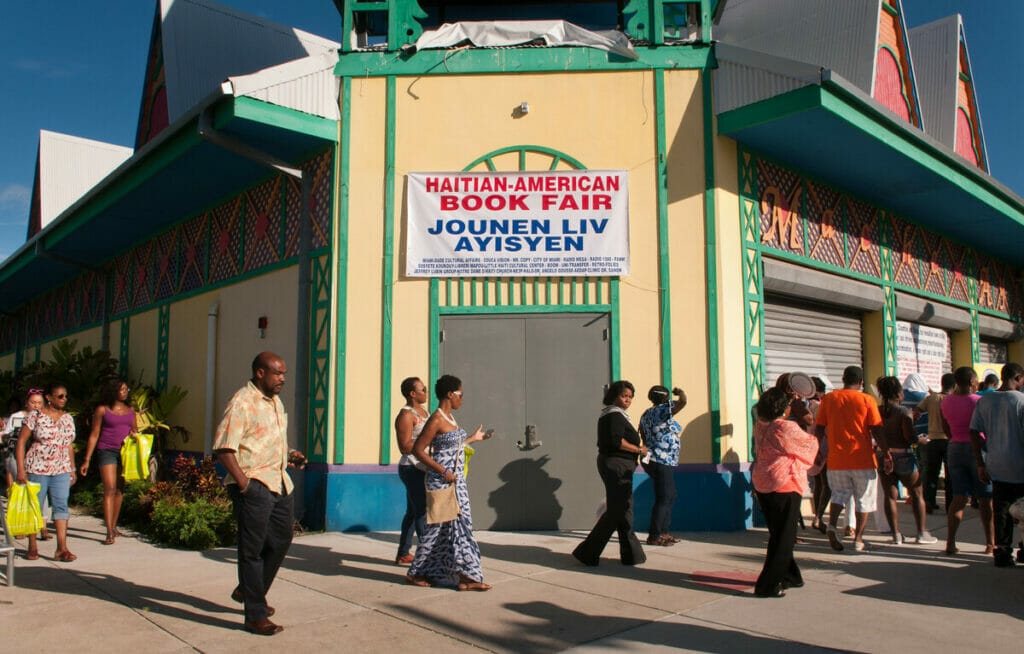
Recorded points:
529,224
921,349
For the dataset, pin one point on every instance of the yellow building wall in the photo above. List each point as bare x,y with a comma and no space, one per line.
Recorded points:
574,114
186,368
732,359
7,362
86,338
272,295
142,346
365,273
688,284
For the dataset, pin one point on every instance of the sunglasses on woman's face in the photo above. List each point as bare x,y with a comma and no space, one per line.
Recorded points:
61,396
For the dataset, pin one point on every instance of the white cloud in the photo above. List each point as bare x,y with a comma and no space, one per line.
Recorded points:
14,197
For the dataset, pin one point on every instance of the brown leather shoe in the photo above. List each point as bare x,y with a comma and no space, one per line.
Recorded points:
263,627
236,595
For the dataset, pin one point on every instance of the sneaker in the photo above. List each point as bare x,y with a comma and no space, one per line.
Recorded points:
897,538
925,538
860,546
1002,559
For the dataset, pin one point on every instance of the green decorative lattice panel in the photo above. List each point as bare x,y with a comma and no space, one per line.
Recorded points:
320,350
163,345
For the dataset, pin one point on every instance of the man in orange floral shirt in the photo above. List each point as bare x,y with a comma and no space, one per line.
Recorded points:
252,445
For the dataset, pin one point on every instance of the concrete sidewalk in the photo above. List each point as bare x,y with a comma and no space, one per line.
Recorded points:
342,591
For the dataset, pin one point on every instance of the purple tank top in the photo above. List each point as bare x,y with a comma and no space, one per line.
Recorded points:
115,429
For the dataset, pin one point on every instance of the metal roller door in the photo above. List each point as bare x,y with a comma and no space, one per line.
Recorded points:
815,339
992,351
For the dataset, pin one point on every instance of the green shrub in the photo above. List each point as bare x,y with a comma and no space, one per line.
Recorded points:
195,524
135,508
87,493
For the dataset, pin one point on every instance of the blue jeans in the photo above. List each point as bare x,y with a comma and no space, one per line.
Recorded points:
664,482
58,487
415,506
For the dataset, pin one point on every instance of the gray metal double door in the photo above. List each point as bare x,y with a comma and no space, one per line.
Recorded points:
537,380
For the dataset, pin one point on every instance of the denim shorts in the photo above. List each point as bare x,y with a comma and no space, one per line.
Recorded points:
963,473
108,457
58,487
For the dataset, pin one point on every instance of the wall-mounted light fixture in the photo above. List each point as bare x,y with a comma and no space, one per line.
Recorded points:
521,110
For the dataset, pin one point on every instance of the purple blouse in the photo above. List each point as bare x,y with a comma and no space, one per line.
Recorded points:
114,429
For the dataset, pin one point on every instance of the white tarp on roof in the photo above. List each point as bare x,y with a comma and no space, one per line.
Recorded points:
68,167
502,33
307,85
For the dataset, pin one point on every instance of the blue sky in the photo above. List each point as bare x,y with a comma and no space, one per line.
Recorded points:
77,68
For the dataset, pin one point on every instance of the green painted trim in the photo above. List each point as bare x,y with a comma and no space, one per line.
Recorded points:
519,60
870,120
341,297
615,337
661,193
711,256
964,77
281,117
125,346
890,9
163,346
434,329
521,308
388,289
975,339
172,149
556,156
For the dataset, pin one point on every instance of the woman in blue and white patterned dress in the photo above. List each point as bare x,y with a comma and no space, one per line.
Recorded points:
447,550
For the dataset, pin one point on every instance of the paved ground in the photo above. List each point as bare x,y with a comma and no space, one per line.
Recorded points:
341,591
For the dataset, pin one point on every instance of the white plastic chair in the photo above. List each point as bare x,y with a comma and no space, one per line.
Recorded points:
7,547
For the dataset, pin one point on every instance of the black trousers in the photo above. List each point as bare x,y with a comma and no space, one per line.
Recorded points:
781,511
934,459
265,522
617,475
415,517
1003,495
664,481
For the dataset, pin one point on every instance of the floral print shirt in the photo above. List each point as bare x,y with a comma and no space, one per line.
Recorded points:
661,434
48,449
255,428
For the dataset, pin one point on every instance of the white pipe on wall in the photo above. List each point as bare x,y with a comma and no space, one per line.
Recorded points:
211,375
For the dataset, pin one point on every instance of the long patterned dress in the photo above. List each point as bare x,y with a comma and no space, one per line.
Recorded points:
448,550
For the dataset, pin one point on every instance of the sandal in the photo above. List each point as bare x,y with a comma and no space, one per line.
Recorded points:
109,540
65,557
417,580
475,585
31,556
117,532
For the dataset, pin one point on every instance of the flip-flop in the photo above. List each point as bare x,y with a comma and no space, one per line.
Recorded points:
31,556
109,540
65,557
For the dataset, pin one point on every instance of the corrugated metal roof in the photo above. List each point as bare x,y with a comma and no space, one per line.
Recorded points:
204,43
68,167
974,91
838,35
935,47
308,85
744,77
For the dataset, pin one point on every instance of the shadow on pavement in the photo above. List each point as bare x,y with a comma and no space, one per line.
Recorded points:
137,597
537,627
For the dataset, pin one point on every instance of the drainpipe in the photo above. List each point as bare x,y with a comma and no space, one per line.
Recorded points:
300,367
211,376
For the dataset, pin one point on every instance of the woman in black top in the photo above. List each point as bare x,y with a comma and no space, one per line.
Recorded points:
619,447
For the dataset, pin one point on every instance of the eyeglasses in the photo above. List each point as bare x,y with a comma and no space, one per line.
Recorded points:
61,396
459,393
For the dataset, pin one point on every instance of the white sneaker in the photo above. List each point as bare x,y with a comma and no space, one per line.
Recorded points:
925,538
897,538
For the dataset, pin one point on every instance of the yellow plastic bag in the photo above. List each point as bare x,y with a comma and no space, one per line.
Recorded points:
23,514
135,457
469,455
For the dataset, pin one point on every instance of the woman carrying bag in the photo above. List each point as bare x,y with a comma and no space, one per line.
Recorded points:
447,548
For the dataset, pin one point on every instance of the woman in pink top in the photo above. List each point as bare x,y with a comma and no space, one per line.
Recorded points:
963,481
784,453
112,422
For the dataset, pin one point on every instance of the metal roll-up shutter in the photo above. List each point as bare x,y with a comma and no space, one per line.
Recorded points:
947,363
992,351
815,339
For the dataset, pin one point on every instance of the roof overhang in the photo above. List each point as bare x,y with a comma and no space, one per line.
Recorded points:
837,133
175,176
